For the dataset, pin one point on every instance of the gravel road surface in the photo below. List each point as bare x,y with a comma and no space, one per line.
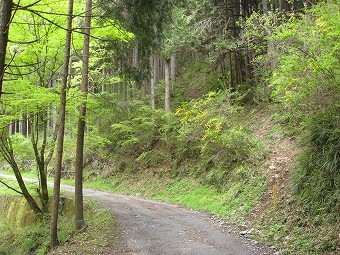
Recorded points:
149,227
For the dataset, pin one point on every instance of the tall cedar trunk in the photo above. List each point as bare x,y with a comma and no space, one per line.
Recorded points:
232,54
144,84
247,58
5,18
61,130
236,32
127,90
20,127
156,70
281,4
81,122
231,71
173,71
264,6
135,66
152,82
167,84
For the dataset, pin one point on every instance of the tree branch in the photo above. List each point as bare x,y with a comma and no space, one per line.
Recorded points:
29,42
27,6
26,65
76,30
17,191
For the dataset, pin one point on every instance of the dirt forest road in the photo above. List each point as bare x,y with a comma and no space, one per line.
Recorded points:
149,227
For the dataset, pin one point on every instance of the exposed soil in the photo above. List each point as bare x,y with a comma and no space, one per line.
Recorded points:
278,166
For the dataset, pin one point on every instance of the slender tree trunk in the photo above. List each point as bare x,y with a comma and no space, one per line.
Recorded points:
127,88
231,71
172,71
247,64
236,34
156,66
5,19
24,125
61,130
167,84
238,64
152,82
81,122
144,84
135,66
20,127
40,159
264,6
42,170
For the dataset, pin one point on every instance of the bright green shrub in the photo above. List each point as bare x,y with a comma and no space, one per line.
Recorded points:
203,135
317,180
136,137
307,90
220,142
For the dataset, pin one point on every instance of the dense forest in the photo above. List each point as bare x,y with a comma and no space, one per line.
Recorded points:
182,91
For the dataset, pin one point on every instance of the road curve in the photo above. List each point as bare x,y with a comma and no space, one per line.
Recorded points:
149,227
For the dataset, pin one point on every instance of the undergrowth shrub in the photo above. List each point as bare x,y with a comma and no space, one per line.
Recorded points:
307,92
317,180
32,239
221,142
202,138
134,140
199,78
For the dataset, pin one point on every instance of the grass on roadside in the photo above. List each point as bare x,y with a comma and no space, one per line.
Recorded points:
297,233
239,196
100,235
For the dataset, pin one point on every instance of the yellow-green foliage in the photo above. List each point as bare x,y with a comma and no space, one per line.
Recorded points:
212,126
205,133
306,83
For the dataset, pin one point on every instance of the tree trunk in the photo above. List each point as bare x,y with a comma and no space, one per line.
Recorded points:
248,65
144,84
172,71
156,71
135,54
167,84
6,150
61,130
152,82
127,88
20,127
5,19
231,70
81,122
264,6
40,159
281,4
